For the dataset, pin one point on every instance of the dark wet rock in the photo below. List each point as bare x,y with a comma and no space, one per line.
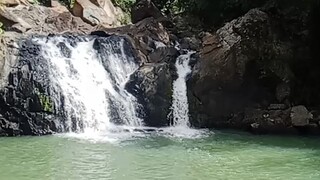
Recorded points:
191,43
143,36
277,107
144,9
217,77
241,65
64,49
26,107
100,33
163,54
300,116
152,85
8,128
250,73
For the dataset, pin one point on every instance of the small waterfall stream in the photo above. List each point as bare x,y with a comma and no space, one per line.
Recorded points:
180,106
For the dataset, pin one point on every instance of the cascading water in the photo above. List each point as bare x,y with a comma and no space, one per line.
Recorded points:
91,73
180,106
180,126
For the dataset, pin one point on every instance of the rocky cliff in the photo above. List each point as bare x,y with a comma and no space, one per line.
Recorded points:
257,72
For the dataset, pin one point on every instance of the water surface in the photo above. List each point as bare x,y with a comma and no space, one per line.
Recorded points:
223,155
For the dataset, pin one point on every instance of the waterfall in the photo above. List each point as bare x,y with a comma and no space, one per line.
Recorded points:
180,126
90,73
180,106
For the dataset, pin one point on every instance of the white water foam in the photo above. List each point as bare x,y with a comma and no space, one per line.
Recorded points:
180,127
180,106
92,93
88,89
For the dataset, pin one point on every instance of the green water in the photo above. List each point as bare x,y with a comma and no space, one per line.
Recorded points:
220,156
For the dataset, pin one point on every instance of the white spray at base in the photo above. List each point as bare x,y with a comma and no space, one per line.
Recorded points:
180,126
92,96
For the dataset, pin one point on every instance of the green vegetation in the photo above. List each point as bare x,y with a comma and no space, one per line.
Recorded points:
1,28
211,12
35,2
125,18
68,3
45,101
216,12
125,5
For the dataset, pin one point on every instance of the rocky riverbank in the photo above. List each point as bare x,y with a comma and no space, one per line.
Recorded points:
258,72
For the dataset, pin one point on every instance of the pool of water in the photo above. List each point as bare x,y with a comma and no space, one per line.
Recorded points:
219,155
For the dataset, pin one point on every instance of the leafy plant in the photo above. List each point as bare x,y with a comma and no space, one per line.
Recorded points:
45,101
1,28
125,19
68,3
36,2
125,5
71,4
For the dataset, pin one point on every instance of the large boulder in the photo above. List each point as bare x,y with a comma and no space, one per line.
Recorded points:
13,21
152,85
41,20
300,116
144,9
276,119
240,66
251,69
149,38
109,8
163,54
94,15
9,2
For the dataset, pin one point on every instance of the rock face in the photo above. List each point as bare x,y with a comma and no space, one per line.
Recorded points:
248,77
300,116
26,108
41,20
227,77
144,35
109,8
144,9
152,85
9,2
95,14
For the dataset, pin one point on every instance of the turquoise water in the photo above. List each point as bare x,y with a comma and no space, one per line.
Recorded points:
223,155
